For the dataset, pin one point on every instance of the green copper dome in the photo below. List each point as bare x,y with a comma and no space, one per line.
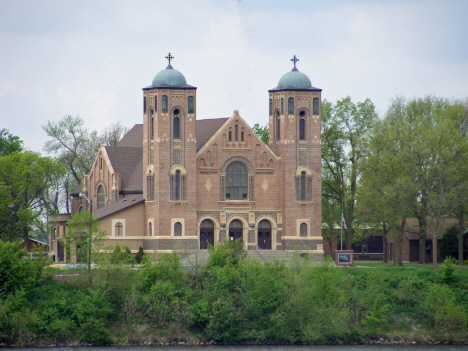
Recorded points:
169,76
294,80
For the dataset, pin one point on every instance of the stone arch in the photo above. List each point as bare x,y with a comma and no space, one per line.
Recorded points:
150,169
180,168
301,169
240,159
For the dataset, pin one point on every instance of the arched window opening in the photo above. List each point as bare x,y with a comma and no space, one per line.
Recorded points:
206,234
236,182
177,229
242,136
191,108
303,229
303,186
271,107
282,106
118,229
207,224
264,224
302,126
291,106
150,229
176,128
235,230
100,162
156,103
152,127
100,196
235,133
144,104
278,131
230,136
164,103
316,106
177,185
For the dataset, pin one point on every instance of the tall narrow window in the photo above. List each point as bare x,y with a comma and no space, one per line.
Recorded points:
235,133
291,106
230,136
152,127
316,106
303,229
176,128
156,103
100,197
177,229
150,229
278,126
271,107
164,103
302,126
242,136
118,229
282,106
303,186
191,108
144,104
177,185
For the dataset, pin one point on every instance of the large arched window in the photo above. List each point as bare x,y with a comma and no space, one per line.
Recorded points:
316,106
303,184
164,103
191,108
303,229
100,197
176,128
291,106
236,182
278,127
302,126
177,185
118,229
177,229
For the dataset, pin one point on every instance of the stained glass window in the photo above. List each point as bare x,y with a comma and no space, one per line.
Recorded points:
236,182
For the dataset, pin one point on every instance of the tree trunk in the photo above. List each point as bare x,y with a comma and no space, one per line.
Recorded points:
461,242
434,252
385,243
398,260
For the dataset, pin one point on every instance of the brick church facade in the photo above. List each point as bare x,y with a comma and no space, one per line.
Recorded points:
177,182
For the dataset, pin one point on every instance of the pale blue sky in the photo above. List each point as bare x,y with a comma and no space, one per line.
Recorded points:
91,58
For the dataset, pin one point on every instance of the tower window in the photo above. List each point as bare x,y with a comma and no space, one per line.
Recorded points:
176,128
144,104
316,106
303,229
152,127
271,107
156,103
177,229
190,108
100,196
303,186
177,186
236,182
291,106
282,106
302,126
164,103
278,122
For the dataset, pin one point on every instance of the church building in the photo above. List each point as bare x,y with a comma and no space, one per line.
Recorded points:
179,182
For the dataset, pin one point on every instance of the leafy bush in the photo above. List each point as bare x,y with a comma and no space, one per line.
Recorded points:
449,243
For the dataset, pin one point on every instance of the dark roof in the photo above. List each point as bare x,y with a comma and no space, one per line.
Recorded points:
411,230
128,162
206,128
118,206
77,190
134,137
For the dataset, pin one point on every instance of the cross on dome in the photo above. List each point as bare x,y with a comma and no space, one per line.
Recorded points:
170,57
294,59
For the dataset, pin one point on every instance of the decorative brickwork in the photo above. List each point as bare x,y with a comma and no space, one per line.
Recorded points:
251,235
279,234
237,214
212,214
270,214
222,235
302,158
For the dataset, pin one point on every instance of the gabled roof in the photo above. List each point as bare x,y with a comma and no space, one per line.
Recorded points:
134,137
128,162
206,128
117,206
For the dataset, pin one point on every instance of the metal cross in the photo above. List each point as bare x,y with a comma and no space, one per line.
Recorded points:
294,59
169,57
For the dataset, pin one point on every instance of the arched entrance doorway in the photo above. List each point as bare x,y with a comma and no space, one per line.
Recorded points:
206,234
235,230
264,235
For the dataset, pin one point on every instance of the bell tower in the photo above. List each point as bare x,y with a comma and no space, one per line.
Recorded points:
169,151
294,108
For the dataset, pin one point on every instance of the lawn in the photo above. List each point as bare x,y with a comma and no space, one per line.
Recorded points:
374,264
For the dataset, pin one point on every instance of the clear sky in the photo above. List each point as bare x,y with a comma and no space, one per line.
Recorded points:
92,57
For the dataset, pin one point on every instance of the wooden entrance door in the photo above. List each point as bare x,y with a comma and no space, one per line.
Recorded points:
60,252
235,230
206,234
264,235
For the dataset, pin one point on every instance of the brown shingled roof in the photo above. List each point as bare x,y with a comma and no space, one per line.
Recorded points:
128,162
206,128
118,206
134,137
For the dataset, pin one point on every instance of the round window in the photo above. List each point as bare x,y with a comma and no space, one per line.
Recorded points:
176,112
302,114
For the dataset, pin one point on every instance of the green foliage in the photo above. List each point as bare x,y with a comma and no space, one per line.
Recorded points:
9,143
139,256
378,315
449,267
449,243
229,252
262,132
